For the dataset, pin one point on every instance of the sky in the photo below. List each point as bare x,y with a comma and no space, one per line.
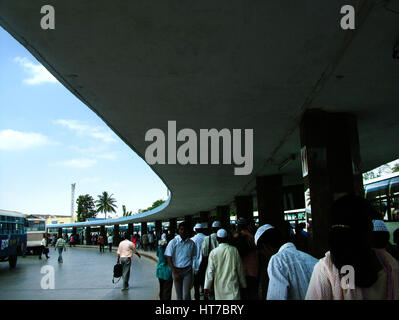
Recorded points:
49,139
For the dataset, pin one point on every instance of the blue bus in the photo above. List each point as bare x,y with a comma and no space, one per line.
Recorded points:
384,195
13,236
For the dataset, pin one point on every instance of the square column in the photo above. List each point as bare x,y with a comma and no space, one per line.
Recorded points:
188,220
223,215
130,229
158,228
331,167
102,231
144,228
245,208
293,197
116,235
269,192
205,217
173,226
88,235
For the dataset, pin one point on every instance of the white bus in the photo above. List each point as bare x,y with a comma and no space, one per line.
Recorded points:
36,228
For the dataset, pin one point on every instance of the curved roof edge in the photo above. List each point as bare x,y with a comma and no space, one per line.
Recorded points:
124,220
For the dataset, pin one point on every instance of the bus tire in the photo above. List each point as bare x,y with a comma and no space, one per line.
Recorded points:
12,261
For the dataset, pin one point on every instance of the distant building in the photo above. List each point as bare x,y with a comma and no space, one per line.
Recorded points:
53,219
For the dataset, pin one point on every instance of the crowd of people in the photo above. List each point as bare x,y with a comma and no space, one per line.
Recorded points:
271,262
274,262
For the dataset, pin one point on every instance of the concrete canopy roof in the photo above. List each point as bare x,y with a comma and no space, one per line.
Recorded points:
228,64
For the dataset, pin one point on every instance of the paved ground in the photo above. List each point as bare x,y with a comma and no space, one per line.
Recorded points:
86,274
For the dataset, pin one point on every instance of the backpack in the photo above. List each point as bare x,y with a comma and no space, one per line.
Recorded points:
118,271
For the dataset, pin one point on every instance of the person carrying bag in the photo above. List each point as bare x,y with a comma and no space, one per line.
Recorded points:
118,271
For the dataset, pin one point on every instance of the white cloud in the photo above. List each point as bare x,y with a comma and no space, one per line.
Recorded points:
101,133
90,180
108,156
11,140
37,73
100,152
77,163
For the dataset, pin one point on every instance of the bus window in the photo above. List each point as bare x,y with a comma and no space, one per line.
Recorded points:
36,225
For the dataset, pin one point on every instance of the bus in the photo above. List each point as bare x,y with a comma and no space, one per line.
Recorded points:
294,217
384,195
13,236
36,229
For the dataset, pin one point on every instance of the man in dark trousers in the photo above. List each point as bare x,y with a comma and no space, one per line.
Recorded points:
181,253
126,250
245,243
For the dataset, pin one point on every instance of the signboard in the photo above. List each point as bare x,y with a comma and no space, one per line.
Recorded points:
304,162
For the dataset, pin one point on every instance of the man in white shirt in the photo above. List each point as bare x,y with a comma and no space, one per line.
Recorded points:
198,277
43,248
150,240
126,250
225,270
181,252
110,242
208,244
289,269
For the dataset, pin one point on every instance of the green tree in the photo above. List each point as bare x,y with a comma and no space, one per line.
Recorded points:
395,167
126,213
155,204
106,203
86,208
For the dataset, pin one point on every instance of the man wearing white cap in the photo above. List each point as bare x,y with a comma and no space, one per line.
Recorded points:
225,270
208,244
181,252
199,228
289,269
381,238
380,234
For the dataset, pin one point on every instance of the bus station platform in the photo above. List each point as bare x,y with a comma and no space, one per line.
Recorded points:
85,274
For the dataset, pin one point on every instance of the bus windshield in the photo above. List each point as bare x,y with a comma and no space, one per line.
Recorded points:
36,225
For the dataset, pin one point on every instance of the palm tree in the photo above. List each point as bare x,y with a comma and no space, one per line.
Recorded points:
126,213
106,203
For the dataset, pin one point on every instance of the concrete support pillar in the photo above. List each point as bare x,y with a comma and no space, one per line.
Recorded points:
158,228
223,215
205,218
294,197
173,226
88,235
188,220
116,235
130,229
331,167
102,231
245,208
269,191
144,228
